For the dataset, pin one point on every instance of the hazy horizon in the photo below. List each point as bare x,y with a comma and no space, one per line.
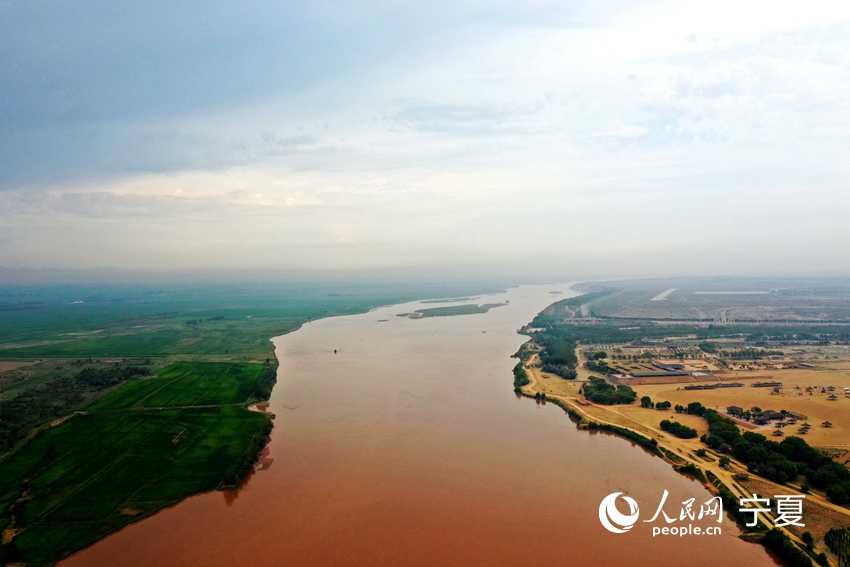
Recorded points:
539,140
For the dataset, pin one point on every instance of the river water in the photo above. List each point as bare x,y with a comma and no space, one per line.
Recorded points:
408,447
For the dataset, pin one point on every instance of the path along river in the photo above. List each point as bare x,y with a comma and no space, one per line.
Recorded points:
408,447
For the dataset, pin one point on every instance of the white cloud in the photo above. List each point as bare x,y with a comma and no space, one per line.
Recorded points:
664,129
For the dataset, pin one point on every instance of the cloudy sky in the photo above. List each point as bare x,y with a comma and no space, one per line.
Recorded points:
619,137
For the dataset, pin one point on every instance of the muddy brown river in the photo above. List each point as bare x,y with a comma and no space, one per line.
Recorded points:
408,447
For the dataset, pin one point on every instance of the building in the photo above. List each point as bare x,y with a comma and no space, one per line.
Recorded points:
735,410
767,416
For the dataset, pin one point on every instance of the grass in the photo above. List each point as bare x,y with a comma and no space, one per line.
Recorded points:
76,482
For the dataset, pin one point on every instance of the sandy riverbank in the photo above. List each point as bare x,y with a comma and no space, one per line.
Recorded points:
820,512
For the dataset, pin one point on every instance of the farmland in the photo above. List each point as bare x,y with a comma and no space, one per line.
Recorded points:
187,384
216,321
120,461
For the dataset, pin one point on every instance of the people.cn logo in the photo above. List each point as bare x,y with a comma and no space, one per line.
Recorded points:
612,519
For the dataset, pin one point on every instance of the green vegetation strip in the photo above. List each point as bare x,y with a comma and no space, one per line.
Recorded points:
784,548
77,482
453,310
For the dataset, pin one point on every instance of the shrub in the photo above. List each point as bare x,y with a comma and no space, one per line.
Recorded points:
679,430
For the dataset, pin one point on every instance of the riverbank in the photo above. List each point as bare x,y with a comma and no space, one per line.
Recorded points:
636,425
404,448
139,449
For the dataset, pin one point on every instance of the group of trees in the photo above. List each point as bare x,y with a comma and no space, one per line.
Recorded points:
264,384
751,353
781,462
557,350
558,354
100,378
838,542
596,363
520,377
561,370
646,402
58,397
599,366
598,391
679,430
790,554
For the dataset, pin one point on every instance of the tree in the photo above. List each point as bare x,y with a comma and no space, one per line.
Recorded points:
679,430
809,540
838,542
725,461
646,402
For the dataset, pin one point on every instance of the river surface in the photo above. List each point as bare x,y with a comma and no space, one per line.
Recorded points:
408,447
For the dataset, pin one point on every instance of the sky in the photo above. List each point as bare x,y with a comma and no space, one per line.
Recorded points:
606,138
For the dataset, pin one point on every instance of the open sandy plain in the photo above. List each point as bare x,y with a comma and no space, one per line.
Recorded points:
792,397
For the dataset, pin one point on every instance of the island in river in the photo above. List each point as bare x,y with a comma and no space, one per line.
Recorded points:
451,311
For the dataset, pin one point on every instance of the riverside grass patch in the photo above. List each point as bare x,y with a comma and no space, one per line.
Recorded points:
93,474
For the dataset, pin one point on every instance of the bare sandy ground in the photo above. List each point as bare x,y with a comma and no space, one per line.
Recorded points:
6,366
792,397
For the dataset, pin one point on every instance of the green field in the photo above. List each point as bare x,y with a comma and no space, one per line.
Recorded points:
224,321
186,384
94,473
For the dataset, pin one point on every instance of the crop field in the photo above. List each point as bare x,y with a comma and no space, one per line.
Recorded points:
186,384
96,473
73,321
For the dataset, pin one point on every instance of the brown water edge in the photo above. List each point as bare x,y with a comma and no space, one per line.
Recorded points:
408,447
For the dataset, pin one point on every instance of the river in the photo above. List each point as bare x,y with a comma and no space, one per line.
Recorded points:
408,447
